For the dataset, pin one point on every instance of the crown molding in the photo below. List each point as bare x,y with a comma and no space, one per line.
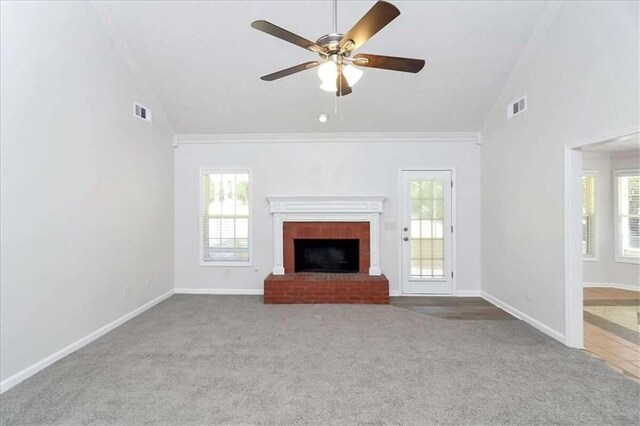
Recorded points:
479,138
181,139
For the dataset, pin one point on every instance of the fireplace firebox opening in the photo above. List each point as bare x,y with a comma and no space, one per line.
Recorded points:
327,255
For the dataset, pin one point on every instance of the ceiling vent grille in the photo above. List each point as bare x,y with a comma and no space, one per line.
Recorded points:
517,107
142,112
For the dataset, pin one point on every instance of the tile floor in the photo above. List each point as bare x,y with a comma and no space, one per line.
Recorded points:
611,327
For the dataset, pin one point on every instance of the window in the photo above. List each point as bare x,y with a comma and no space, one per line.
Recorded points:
627,214
588,216
225,224
427,228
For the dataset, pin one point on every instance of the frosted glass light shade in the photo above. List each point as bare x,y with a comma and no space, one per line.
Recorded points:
328,70
329,86
328,73
352,74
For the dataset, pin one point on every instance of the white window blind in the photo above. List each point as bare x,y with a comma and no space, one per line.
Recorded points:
628,215
225,217
588,215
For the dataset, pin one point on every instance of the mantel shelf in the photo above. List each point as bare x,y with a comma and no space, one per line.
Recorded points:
326,204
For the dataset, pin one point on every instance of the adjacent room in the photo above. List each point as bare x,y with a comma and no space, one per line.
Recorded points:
320,212
611,251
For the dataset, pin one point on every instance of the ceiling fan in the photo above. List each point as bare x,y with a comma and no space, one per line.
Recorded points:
336,66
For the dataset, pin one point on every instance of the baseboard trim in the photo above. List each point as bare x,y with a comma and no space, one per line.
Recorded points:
260,292
457,293
468,293
524,317
221,291
10,382
613,285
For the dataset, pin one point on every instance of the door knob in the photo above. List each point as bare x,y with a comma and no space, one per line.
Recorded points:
405,229
405,238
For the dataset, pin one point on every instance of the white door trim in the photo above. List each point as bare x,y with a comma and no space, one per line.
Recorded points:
454,223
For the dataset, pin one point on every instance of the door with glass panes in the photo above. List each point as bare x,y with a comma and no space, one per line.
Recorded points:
426,232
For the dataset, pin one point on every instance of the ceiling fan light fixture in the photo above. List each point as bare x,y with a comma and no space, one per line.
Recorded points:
329,86
352,74
328,73
336,67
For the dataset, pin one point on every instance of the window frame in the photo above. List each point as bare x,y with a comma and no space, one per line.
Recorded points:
619,256
201,204
594,175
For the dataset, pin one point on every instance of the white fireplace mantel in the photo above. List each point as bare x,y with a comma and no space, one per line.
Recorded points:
326,209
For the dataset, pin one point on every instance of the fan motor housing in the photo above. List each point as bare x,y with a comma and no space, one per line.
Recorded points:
331,42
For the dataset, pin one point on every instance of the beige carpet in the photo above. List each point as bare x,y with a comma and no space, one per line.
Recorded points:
233,360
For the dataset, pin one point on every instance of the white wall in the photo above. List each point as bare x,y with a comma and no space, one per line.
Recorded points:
604,269
87,199
581,81
363,168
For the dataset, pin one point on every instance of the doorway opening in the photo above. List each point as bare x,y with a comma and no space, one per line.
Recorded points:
603,249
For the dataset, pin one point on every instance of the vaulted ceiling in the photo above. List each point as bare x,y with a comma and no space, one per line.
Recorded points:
203,61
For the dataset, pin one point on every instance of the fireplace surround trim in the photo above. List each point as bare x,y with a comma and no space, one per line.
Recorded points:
326,209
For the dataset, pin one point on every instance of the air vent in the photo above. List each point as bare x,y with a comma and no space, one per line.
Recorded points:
517,107
142,112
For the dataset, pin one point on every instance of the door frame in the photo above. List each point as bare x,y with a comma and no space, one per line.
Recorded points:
454,223
573,263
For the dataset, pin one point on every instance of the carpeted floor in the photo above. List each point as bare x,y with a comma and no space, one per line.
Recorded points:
233,360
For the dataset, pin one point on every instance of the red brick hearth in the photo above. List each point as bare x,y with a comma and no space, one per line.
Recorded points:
318,287
326,288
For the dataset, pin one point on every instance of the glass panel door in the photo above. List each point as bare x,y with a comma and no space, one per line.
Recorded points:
426,232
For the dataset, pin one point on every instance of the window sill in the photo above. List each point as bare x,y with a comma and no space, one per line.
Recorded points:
632,260
226,264
590,259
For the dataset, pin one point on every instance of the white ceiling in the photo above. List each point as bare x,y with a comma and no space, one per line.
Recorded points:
627,145
203,62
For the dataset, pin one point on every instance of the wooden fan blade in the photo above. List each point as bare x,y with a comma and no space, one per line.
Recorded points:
373,21
342,84
281,33
288,71
388,62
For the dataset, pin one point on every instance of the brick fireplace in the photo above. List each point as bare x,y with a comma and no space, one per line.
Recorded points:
326,250
325,231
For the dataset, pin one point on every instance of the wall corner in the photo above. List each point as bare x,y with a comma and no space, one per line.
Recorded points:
479,138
